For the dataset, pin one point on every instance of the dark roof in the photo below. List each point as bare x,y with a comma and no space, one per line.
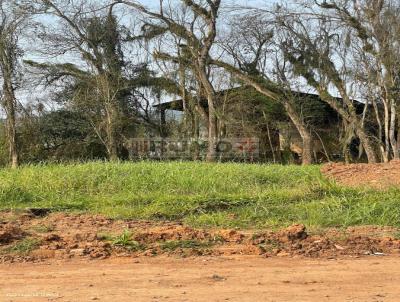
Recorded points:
178,104
172,105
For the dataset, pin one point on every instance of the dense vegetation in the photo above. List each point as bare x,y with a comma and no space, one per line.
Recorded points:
210,195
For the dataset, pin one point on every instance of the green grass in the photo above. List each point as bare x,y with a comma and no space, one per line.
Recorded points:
23,247
200,194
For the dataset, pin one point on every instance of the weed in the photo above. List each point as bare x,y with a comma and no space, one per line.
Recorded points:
23,247
123,240
43,228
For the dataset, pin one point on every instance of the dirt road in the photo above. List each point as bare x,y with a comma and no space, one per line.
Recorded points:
242,278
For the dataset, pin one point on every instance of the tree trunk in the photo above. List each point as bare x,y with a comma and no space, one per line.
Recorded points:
270,144
306,156
9,105
112,145
112,148
195,135
307,151
380,137
212,133
212,117
12,140
386,126
346,153
392,135
398,135
368,147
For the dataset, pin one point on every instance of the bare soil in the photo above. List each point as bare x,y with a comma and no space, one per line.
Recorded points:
35,235
378,176
74,257
235,278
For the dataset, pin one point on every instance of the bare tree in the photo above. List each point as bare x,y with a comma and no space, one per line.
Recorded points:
373,33
198,36
176,67
314,50
252,50
11,25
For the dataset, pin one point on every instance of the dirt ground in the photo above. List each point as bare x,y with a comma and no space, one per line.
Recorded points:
37,235
235,278
48,256
379,176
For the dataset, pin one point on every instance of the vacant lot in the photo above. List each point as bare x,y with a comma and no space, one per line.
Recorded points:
101,210
200,194
246,232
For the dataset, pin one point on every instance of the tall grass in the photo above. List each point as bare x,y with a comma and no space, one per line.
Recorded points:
201,194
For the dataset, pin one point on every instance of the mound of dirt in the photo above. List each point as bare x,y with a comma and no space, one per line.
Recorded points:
26,238
9,232
379,176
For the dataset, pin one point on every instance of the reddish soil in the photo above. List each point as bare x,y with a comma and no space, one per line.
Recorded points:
56,257
379,176
208,279
34,236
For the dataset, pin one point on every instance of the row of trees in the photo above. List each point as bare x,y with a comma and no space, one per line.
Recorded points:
98,66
